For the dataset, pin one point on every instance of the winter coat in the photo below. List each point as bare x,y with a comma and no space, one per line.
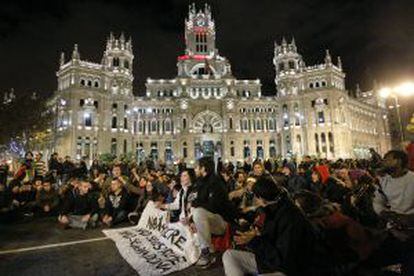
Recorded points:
212,195
286,242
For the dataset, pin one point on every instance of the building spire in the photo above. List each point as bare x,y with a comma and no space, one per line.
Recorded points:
328,59
358,92
75,53
339,63
62,59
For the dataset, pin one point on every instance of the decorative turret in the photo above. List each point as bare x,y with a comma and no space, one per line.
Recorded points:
339,63
358,92
286,57
200,34
118,53
62,59
328,58
75,53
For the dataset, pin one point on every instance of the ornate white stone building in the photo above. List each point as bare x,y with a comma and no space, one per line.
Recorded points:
206,110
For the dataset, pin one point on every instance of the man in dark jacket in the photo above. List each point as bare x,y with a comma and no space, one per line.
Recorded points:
211,208
284,243
79,208
294,183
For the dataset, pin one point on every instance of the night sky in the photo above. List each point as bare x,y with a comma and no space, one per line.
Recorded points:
374,38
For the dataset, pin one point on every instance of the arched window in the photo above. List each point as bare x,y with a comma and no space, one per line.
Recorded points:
154,126
82,82
259,124
245,124
126,64
96,84
140,126
89,83
271,124
185,153
317,143
311,85
331,142
115,62
167,125
231,123
184,123
323,142
281,66
291,64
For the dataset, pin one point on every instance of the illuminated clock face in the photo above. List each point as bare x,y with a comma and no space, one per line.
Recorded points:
200,22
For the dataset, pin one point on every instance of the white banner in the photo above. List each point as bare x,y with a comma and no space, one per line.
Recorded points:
154,246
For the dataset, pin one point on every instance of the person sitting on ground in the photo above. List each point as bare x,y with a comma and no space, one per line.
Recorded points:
294,182
283,245
47,199
150,193
229,180
115,204
211,208
79,209
180,204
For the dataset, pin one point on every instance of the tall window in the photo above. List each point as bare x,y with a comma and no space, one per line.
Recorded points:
113,146
258,124
88,119
184,123
114,122
321,117
154,126
331,142
231,123
115,62
125,146
125,123
201,42
317,143
323,142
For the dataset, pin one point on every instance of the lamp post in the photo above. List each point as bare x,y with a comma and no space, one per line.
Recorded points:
405,89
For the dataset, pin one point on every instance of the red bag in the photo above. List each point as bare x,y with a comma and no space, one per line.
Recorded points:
223,242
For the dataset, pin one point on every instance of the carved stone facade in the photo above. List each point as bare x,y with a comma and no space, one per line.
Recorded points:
205,110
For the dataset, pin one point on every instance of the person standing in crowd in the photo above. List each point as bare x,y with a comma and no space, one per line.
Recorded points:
115,204
210,209
79,208
54,164
39,165
68,169
283,246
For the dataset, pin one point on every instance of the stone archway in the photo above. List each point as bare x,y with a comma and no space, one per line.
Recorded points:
207,122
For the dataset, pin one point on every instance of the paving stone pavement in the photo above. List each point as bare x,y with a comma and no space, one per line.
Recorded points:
99,257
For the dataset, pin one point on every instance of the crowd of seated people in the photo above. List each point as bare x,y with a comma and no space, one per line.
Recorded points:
315,217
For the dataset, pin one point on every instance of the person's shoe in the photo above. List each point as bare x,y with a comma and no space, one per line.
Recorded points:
133,218
28,214
206,259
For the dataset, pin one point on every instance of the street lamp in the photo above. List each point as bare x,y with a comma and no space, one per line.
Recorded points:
405,89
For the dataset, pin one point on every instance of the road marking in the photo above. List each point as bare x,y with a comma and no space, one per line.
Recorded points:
53,245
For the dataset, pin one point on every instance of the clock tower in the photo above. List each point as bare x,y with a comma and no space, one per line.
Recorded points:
200,34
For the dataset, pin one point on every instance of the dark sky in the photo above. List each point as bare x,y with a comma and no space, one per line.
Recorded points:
374,38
